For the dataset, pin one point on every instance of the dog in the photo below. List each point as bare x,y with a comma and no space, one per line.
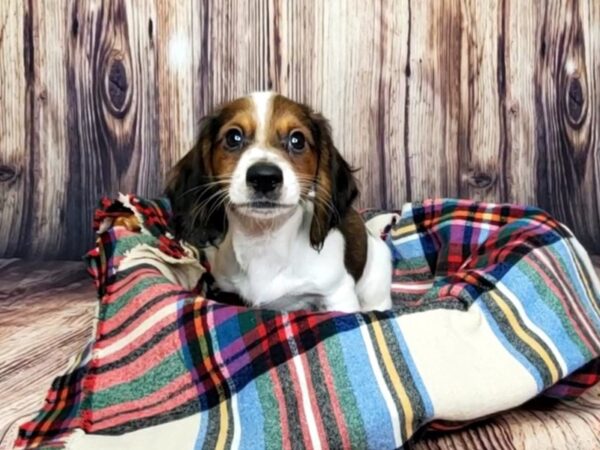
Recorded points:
268,192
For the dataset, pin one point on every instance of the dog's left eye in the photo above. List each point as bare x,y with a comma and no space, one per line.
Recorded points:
234,138
296,142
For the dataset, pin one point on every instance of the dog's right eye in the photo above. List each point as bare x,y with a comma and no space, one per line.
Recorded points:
234,138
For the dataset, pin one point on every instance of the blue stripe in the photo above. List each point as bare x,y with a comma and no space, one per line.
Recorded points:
252,424
372,406
544,316
201,437
406,250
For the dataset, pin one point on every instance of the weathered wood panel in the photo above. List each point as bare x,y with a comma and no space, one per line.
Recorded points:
48,169
178,84
566,84
492,100
14,111
113,116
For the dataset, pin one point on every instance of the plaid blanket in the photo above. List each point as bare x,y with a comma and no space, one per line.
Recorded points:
493,305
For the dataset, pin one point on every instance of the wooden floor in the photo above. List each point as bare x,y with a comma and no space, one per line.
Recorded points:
46,311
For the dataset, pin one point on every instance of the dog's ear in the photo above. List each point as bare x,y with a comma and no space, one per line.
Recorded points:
335,187
198,215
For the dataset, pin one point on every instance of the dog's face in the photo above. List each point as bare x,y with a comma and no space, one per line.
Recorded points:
260,157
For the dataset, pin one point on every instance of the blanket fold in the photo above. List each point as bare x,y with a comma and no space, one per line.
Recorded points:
494,305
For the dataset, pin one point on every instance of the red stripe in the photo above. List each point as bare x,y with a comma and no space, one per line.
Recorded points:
140,365
134,305
145,336
335,403
140,272
401,272
170,396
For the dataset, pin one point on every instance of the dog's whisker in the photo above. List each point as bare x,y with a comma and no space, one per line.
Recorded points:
197,209
207,214
321,198
327,204
223,182
217,204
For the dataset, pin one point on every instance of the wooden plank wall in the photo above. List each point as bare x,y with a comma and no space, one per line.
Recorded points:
494,100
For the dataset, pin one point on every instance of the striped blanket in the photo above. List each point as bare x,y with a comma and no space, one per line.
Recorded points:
493,305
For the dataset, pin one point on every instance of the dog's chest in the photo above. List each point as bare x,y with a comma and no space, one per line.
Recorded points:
290,275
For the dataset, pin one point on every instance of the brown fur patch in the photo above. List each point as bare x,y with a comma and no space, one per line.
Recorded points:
237,114
286,117
355,235
321,162
198,213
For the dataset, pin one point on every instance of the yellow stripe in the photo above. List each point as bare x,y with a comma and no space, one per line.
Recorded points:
487,216
394,377
535,346
223,423
406,229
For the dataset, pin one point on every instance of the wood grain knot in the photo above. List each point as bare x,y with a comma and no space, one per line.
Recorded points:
117,92
117,84
7,173
480,180
575,101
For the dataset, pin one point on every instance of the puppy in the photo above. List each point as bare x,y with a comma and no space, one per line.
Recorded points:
265,186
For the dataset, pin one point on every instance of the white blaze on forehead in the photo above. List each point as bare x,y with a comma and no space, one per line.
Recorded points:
260,151
262,107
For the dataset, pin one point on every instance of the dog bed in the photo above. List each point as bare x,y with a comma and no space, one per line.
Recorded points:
493,305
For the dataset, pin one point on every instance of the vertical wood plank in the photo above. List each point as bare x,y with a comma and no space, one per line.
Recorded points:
593,186
295,49
362,44
434,92
351,56
42,177
89,166
482,155
112,115
49,148
566,118
585,132
14,155
238,55
176,33
141,172
520,33
394,100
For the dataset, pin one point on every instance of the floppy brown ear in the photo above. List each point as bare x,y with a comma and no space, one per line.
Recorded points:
198,216
336,186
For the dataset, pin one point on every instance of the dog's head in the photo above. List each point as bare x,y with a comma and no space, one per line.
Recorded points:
260,157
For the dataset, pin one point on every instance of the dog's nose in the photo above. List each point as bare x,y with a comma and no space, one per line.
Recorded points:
264,177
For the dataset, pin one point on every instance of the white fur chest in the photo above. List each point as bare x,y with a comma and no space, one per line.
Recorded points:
280,270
